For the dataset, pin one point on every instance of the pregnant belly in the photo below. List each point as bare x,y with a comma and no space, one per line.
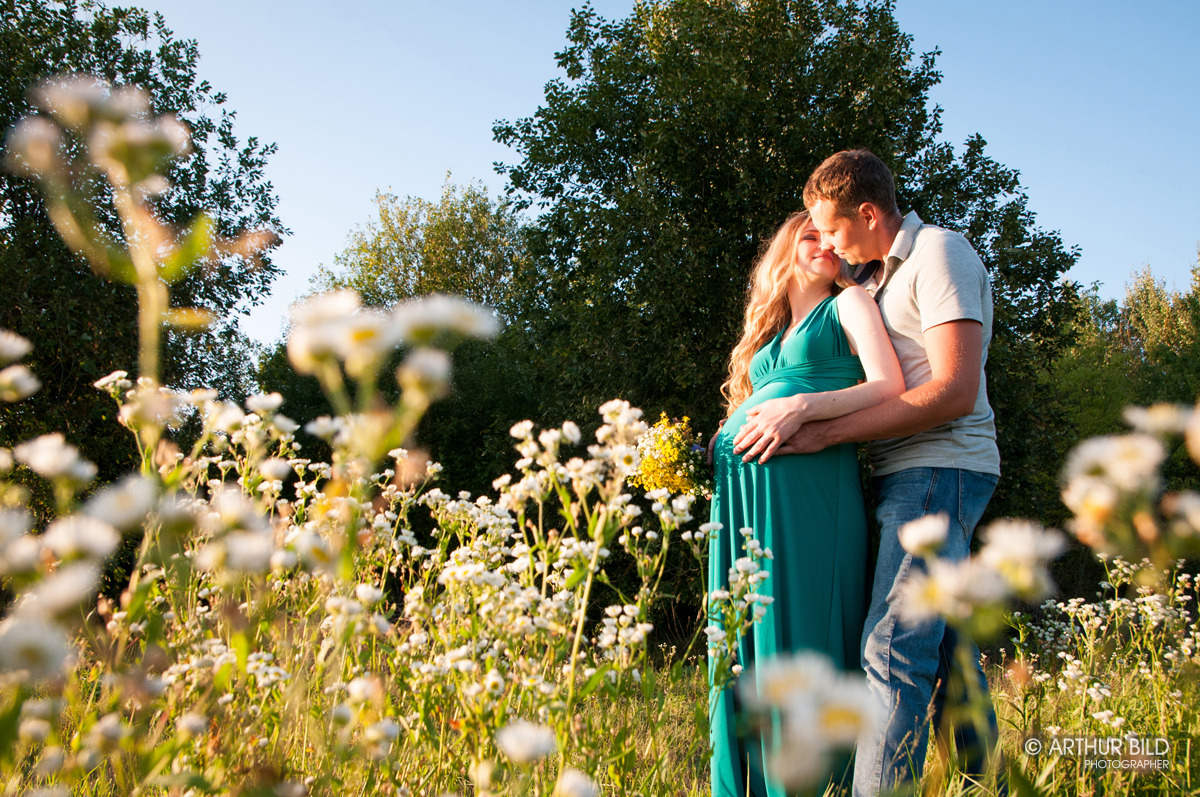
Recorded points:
724,443
780,389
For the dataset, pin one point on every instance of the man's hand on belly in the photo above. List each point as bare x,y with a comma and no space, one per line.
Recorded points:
768,425
808,439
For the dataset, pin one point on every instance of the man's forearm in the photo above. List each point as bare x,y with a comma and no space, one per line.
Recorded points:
913,411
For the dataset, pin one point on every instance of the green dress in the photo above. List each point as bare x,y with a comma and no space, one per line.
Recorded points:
808,509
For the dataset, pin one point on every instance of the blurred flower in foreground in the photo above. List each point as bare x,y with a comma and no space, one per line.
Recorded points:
13,347
925,536
52,457
974,592
17,382
32,648
822,712
573,783
525,742
1113,488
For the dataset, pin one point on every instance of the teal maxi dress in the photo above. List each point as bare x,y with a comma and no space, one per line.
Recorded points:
808,509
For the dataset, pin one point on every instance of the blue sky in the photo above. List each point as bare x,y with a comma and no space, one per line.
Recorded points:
1094,102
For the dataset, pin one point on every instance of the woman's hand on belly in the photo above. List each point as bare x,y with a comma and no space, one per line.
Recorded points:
768,425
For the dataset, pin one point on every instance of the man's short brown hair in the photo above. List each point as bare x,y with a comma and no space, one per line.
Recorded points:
850,178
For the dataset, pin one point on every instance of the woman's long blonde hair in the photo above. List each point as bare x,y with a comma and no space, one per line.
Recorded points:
767,307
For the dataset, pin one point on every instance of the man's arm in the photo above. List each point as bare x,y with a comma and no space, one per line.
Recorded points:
955,351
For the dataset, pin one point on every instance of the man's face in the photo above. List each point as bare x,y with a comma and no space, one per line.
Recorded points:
849,238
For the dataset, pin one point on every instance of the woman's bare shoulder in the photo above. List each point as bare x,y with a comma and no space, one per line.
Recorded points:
855,300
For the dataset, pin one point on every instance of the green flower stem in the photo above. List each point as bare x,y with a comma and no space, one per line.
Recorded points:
600,520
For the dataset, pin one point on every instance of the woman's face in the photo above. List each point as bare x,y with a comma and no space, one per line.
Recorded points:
814,262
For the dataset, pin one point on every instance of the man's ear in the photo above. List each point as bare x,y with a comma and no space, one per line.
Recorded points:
870,214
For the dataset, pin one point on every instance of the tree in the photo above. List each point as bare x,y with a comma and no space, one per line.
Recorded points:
1142,351
681,137
82,325
464,244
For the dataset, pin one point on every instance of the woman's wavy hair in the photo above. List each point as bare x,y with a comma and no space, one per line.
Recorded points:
767,307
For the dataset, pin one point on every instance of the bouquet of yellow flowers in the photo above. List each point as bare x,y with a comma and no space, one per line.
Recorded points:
672,457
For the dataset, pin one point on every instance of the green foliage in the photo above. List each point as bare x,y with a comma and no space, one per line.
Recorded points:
1141,351
464,244
82,325
682,137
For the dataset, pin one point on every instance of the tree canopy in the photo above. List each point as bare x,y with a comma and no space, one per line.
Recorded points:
465,244
1140,351
82,325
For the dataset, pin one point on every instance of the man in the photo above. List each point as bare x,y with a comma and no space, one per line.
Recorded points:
932,449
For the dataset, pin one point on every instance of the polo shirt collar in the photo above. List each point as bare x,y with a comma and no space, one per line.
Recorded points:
902,246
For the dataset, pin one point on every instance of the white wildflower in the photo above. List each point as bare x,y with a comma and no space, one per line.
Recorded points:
1129,461
62,592
13,524
844,712
115,383
781,681
263,403
1020,551
51,456
525,742
275,469
31,648
953,590
248,551
386,730
81,535
124,504
324,427
34,148
573,783
316,326
926,535
191,724
13,347
364,690
108,733
419,321
368,594
1159,419
313,551
424,374
17,382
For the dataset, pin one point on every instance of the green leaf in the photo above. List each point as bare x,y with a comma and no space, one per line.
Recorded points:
1019,784
241,646
9,722
186,780
595,682
577,577
194,247
222,678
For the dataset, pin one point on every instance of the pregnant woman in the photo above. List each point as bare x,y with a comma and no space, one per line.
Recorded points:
813,347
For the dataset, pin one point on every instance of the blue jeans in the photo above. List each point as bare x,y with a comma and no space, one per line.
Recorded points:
908,666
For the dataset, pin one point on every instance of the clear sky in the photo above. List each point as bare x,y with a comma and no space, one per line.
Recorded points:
1094,101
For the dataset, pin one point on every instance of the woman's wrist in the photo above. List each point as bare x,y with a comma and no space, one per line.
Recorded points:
799,407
